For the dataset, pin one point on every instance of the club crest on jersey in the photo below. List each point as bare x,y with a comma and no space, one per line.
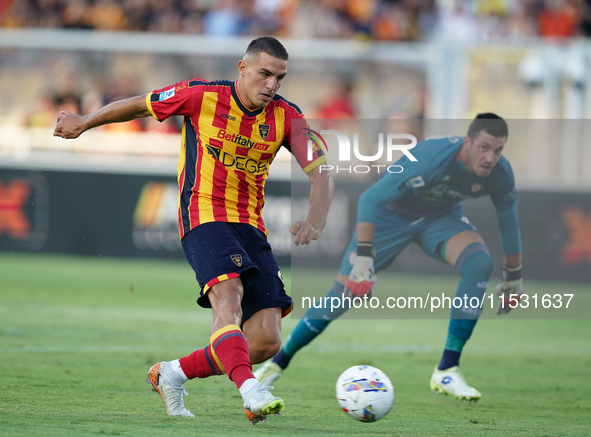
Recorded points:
264,131
415,182
237,259
475,187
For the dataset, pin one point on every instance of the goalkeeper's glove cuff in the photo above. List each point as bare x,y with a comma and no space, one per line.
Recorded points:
511,273
365,249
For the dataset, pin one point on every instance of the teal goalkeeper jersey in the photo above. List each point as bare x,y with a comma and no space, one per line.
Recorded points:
439,180
436,182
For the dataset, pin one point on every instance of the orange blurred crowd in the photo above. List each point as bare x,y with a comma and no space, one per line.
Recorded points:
394,20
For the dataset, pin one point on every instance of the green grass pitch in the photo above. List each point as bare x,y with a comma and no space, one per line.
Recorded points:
78,334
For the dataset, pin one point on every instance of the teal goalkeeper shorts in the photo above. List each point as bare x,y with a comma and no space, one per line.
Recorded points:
394,231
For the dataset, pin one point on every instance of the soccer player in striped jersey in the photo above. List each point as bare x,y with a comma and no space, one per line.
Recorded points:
231,133
421,205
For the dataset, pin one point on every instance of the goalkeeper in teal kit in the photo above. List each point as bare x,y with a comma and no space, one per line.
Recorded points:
421,204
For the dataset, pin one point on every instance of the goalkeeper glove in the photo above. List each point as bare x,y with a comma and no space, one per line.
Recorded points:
362,276
509,289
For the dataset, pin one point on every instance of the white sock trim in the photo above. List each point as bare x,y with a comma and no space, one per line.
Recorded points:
247,386
176,366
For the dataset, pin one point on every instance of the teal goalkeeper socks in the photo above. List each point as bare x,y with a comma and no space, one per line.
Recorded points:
454,343
475,265
311,326
452,352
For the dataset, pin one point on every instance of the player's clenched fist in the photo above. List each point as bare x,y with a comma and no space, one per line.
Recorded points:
68,125
304,232
363,275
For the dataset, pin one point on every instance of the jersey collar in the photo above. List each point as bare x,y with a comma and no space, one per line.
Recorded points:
241,104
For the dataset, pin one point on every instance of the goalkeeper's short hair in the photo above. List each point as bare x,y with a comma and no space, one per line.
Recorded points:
490,123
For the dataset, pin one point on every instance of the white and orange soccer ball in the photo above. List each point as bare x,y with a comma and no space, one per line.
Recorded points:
365,393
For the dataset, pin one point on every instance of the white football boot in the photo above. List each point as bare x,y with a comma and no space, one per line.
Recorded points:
268,372
451,382
261,403
160,376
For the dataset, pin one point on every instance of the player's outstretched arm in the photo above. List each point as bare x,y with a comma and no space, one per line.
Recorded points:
321,191
72,125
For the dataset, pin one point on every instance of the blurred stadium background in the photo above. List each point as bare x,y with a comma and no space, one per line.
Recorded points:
112,192
84,312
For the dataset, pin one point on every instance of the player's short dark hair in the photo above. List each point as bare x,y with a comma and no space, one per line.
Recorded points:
268,45
490,123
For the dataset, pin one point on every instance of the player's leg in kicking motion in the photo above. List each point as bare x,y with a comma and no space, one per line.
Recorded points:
467,252
232,349
227,353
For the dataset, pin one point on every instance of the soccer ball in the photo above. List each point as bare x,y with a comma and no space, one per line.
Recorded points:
365,393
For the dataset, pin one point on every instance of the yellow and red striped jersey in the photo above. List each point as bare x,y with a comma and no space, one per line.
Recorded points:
226,150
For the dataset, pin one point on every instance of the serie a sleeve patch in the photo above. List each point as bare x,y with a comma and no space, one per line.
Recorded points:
165,95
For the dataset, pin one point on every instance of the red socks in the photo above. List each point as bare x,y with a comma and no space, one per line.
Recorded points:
200,364
227,353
